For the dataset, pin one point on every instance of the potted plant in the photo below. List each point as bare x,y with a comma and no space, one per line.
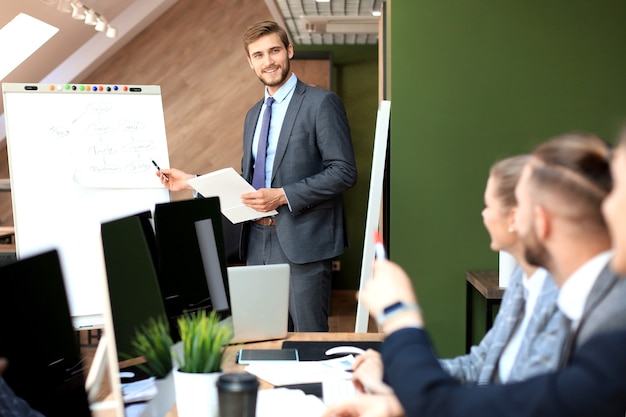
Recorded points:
199,361
154,343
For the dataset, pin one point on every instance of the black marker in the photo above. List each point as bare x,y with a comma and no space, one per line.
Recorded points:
157,167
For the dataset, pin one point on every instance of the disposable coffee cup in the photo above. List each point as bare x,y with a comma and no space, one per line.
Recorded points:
237,394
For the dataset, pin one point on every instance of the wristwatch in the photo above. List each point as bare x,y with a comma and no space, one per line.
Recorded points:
393,309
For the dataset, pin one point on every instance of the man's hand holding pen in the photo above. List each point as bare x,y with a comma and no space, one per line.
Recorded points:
174,179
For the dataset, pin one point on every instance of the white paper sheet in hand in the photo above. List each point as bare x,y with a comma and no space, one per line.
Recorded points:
228,185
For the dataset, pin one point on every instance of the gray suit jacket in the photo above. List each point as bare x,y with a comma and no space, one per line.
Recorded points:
605,310
541,346
314,164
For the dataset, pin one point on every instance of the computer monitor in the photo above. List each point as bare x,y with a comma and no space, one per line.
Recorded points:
216,280
129,248
38,339
181,271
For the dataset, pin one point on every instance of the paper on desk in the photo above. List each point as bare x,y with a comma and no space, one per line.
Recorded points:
288,373
142,390
284,402
228,185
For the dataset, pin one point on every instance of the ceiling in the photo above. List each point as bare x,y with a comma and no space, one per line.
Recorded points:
77,48
352,19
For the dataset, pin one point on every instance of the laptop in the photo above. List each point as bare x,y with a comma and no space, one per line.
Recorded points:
259,302
254,300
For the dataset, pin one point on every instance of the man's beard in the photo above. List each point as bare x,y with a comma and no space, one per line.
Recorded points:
536,254
283,76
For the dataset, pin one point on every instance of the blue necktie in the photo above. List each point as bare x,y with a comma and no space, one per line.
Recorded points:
258,179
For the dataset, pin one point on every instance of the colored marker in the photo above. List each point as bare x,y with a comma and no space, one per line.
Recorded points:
379,247
158,168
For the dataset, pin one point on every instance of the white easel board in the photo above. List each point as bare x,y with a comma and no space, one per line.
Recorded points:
373,206
80,155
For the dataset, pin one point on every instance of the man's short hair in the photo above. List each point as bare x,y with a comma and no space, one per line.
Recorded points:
264,28
574,169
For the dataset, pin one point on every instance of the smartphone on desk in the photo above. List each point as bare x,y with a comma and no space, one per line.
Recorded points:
247,356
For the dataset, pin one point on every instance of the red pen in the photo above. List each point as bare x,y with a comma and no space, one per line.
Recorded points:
379,247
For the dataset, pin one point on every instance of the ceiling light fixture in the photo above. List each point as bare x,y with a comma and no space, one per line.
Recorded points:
78,11
64,6
91,19
101,25
81,11
111,32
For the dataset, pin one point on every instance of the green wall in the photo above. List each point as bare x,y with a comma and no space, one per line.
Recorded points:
355,80
472,82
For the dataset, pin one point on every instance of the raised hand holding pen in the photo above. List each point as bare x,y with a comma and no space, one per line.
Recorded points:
174,179
379,247
388,285
159,169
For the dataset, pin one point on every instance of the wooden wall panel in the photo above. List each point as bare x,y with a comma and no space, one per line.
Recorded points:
315,72
6,210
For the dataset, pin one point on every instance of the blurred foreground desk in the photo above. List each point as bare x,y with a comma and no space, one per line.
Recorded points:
7,254
7,233
487,284
230,365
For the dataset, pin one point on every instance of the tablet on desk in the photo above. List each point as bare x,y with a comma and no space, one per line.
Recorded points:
247,356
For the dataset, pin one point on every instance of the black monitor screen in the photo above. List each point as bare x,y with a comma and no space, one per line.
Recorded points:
38,339
182,274
129,247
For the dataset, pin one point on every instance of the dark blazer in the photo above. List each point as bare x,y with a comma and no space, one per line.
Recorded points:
593,383
314,164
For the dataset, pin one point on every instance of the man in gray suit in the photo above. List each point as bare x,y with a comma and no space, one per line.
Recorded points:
309,163
300,161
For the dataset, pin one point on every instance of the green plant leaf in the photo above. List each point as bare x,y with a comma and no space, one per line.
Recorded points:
203,338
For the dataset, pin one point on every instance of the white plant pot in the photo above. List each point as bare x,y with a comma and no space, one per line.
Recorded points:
196,394
165,399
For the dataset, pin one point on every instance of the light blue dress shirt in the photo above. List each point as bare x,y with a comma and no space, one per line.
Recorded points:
279,109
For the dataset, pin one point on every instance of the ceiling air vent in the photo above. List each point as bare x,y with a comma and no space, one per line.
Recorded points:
340,24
